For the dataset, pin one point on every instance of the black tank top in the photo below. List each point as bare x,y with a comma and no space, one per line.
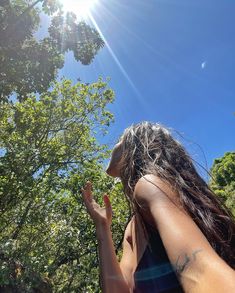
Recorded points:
154,272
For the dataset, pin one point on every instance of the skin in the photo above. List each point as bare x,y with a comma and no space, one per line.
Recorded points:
113,168
198,267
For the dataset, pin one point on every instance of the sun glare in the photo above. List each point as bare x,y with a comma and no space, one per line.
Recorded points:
82,8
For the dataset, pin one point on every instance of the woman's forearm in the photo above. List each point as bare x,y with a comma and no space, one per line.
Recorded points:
112,279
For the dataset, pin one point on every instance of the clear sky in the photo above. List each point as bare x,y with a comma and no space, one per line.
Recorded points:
170,61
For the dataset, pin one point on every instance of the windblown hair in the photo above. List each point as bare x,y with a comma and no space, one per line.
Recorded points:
149,148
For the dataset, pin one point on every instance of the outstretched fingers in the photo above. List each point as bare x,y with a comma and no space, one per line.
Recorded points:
86,192
99,215
108,206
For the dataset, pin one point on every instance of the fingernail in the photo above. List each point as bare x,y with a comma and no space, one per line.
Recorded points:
106,198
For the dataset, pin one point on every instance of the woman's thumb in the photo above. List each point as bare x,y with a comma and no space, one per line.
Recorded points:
108,206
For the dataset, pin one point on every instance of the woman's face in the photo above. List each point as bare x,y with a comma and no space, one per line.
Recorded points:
113,168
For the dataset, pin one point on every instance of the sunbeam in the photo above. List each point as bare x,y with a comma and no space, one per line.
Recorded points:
123,71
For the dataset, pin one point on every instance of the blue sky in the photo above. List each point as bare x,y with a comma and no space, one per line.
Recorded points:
170,61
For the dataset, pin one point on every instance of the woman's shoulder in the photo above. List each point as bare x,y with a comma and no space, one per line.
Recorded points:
150,188
153,182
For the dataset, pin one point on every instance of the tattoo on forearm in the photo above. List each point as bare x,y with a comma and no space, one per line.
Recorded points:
195,252
183,261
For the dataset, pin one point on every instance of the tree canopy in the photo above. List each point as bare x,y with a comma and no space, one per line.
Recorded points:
29,65
223,179
49,149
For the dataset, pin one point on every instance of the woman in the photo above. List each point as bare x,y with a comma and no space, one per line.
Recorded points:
180,238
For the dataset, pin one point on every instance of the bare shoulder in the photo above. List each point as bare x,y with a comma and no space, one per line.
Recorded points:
150,188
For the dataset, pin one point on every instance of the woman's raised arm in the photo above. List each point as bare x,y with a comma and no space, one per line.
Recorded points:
112,277
198,266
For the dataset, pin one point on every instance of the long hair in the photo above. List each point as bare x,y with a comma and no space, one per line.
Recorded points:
149,148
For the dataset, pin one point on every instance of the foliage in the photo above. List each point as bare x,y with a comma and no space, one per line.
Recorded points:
48,150
223,183
28,65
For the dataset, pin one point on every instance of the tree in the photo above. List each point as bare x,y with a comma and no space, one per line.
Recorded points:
223,179
48,150
28,65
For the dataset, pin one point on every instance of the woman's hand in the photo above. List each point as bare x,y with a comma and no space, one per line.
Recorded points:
101,216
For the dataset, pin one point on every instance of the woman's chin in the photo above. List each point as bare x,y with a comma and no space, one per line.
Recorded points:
112,172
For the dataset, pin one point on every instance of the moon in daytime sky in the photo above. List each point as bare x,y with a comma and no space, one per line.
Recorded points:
203,65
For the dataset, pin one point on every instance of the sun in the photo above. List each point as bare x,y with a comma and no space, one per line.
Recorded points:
82,8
